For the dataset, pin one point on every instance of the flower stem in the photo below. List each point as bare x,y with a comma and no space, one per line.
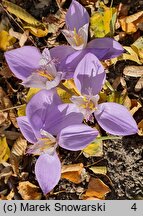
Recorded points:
108,138
65,89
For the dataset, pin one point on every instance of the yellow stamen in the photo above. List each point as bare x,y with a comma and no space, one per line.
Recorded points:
44,74
88,104
47,143
77,38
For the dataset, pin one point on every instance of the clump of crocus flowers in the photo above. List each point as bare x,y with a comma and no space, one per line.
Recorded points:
49,122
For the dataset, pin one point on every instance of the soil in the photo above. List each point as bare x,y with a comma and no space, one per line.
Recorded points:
123,158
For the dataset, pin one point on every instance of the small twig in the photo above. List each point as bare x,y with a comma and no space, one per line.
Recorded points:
95,162
10,108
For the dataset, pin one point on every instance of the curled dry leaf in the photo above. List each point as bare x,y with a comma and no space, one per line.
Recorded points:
73,172
96,188
140,127
135,106
17,151
29,191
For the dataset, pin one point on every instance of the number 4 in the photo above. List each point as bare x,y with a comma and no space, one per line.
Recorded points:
134,207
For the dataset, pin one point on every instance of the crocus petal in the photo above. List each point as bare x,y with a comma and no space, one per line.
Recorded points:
55,82
40,106
112,47
59,53
77,40
23,61
35,81
76,16
89,75
61,116
76,137
115,119
86,104
83,32
48,171
26,129
47,63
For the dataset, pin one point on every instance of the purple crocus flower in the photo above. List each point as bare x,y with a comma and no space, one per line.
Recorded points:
77,22
112,117
35,69
49,123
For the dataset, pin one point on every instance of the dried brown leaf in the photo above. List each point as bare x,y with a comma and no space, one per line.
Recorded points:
6,172
134,17
6,103
140,127
73,172
11,135
130,23
17,151
139,85
29,191
96,188
6,72
133,71
127,102
135,106
10,195
21,37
